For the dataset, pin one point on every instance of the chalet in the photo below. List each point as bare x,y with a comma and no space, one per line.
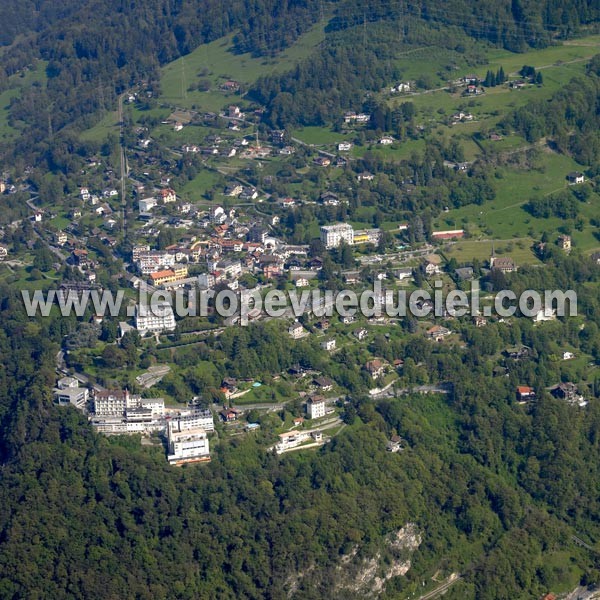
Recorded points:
518,352
277,136
503,264
249,193
322,161
229,414
517,84
328,345
575,177
167,196
525,393
287,150
329,199
324,384
233,189
375,368
80,257
344,146
464,273
386,140
438,333
3,252
61,238
479,321
360,334
365,176
395,444
564,242
234,112
287,202
470,80
296,330
230,86
432,268
400,88
568,391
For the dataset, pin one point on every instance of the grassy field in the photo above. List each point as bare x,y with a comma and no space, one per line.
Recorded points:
16,84
217,63
505,218
465,251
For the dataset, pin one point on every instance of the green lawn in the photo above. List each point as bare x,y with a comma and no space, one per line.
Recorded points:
217,63
504,217
465,251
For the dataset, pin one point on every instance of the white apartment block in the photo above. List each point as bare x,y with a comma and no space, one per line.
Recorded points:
150,262
315,408
189,445
333,235
154,319
74,396
193,419
119,412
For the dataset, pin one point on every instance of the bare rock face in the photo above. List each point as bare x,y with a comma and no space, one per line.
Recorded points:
359,576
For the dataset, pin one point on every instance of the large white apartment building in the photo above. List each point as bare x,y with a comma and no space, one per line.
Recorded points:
193,419
119,412
120,402
333,235
151,261
154,319
189,445
315,407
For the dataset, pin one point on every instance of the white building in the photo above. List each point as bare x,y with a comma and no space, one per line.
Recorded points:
333,235
328,345
150,262
344,146
119,412
147,204
189,445
193,419
156,318
74,396
315,407
296,330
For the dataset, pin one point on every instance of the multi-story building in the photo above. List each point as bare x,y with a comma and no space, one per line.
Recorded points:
169,276
119,412
74,396
333,235
149,262
154,319
315,407
188,445
193,419
367,236
147,204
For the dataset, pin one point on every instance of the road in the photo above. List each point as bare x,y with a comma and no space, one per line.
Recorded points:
391,392
53,249
123,166
441,588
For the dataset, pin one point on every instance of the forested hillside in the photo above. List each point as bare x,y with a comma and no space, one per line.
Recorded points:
494,489
100,48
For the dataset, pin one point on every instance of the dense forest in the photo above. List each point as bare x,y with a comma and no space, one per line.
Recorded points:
496,489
